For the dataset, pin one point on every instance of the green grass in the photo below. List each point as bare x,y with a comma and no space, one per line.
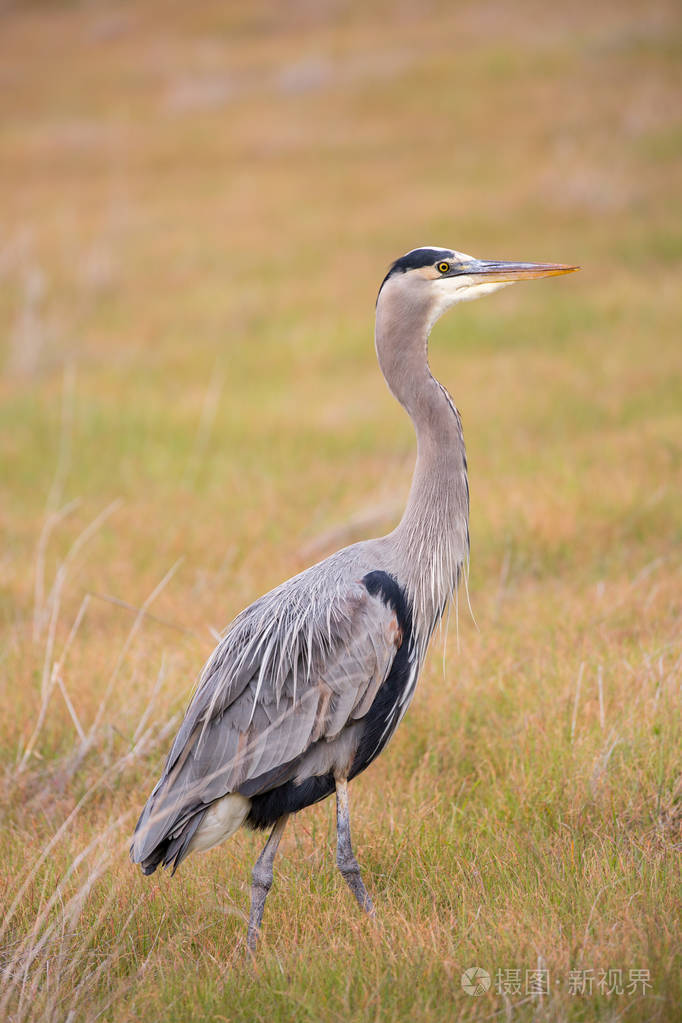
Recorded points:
198,205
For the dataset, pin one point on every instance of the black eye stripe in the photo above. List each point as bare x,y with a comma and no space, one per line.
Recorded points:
416,259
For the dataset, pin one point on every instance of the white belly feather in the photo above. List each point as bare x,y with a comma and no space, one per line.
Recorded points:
220,822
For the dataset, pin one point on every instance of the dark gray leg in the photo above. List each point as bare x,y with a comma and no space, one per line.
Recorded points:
261,881
345,859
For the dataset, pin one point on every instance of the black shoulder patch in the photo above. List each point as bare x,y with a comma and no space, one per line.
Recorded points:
385,586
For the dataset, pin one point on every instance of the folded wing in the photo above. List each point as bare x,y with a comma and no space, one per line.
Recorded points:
296,668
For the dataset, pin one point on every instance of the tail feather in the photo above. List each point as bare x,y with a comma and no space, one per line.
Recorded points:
171,850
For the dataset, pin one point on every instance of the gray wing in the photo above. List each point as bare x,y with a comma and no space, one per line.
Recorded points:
296,667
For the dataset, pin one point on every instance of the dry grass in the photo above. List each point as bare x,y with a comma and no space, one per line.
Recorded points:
197,204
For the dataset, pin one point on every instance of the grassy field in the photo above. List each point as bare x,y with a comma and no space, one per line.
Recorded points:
198,203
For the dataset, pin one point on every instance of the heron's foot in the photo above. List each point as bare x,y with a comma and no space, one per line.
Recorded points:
350,871
259,893
345,857
261,883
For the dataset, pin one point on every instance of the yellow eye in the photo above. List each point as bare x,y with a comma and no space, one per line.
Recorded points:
443,267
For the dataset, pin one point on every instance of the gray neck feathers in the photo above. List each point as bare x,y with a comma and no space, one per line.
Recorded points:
432,538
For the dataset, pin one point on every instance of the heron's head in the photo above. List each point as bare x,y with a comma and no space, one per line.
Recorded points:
431,280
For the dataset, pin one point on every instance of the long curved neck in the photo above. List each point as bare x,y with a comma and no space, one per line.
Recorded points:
432,538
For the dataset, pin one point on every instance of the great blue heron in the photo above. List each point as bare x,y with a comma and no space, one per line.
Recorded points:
309,683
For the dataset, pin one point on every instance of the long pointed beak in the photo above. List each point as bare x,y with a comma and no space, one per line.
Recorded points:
494,270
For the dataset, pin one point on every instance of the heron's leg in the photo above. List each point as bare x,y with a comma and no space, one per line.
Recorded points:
261,882
345,858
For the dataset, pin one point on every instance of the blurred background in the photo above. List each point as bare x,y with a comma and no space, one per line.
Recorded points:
198,204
